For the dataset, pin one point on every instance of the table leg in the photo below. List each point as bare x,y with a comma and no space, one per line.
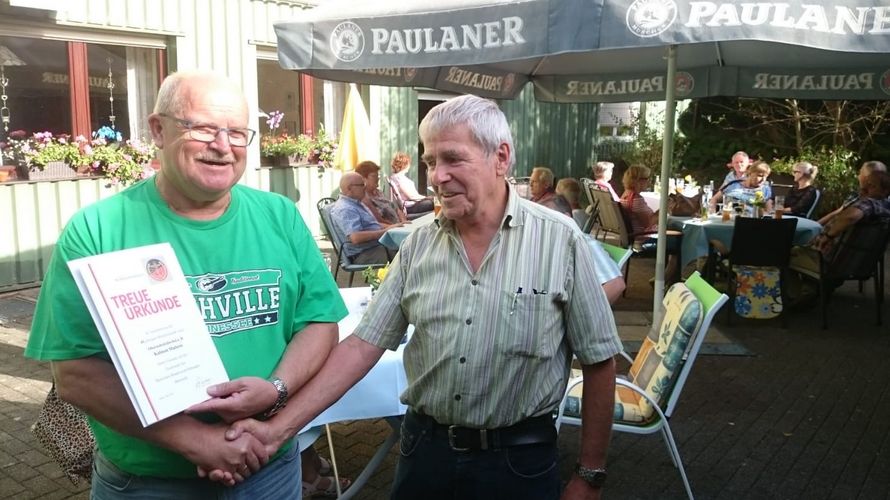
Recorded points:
377,459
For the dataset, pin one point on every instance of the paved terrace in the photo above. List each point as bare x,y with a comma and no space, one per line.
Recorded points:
806,415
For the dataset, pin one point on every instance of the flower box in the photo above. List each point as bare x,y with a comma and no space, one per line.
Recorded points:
54,170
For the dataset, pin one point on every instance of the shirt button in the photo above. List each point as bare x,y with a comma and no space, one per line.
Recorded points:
463,359
469,321
457,397
474,282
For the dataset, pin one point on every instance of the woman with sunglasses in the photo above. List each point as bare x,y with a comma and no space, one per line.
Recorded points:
802,196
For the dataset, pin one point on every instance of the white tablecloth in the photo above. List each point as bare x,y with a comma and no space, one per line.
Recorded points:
377,394
394,237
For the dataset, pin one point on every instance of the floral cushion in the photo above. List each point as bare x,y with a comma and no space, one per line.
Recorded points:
656,365
758,292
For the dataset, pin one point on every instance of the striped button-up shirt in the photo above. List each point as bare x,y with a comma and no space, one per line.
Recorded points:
493,347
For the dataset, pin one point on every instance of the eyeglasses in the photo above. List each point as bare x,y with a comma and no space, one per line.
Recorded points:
357,185
202,132
796,171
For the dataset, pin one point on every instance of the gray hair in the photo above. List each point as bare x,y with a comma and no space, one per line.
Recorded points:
545,175
874,166
173,96
487,123
807,169
601,167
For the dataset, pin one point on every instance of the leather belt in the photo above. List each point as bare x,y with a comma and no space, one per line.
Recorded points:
534,430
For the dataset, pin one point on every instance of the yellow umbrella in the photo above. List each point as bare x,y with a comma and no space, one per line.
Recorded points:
356,143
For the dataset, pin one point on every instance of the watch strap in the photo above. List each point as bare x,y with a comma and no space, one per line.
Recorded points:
595,477
281,400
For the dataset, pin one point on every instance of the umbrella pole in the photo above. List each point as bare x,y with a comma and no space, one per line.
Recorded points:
667,153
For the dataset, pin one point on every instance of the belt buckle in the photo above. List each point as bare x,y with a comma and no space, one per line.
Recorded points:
452,439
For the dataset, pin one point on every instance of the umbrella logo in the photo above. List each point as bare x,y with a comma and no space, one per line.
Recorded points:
885,82
347,41
647,18
684,83
156,269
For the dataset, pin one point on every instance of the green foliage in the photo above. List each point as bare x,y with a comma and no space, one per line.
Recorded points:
836,177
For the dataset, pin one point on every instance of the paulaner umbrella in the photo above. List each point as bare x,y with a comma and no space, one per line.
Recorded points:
356,141
601,51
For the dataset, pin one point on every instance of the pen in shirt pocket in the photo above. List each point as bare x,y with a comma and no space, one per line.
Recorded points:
515,298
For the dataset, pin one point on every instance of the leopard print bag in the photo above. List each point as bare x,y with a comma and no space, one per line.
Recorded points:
63,431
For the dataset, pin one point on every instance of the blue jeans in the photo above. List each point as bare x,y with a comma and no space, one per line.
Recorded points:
279,479
428,468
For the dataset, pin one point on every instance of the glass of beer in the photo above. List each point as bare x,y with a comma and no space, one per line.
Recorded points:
779,207
437,205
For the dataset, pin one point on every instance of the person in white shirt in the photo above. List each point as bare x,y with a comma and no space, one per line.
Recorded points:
414,202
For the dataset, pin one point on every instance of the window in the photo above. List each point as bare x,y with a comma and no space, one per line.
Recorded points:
37,90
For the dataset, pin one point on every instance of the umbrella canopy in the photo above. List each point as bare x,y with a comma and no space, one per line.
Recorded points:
356,141
601,51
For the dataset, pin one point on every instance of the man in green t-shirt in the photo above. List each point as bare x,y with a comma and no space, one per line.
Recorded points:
257,277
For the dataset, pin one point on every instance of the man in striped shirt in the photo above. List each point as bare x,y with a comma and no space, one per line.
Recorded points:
501,292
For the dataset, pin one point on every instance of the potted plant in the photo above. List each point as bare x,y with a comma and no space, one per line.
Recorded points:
322,150
121,163
281,148
43,155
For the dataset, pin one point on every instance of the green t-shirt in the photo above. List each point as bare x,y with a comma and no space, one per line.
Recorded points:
255,272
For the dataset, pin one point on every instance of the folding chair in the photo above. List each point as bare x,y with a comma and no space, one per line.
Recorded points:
646,399
396,198
337,238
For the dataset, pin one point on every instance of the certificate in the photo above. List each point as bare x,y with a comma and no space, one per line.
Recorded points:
150,324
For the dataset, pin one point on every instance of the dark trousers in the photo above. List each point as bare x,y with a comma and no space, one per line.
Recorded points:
430,469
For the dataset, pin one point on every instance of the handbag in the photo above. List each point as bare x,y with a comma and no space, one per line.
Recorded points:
63,431
684,206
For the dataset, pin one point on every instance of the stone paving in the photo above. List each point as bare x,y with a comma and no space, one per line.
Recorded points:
806,416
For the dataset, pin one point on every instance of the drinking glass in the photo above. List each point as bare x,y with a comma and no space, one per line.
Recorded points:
779,207
437,205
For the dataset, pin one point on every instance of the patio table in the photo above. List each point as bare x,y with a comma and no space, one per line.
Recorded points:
697,233
394,237
374,396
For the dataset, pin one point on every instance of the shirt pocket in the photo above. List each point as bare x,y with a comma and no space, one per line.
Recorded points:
533,325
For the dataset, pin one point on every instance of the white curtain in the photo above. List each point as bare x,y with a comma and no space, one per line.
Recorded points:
142,88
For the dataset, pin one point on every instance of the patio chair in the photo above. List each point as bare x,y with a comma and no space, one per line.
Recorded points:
758,262
521,184
337,238
812,208
396,197
648,396
593,205
858,255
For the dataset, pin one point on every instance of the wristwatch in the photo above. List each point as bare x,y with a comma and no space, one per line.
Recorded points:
593,477
281,400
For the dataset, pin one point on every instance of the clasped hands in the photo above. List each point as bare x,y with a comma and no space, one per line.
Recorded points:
242,445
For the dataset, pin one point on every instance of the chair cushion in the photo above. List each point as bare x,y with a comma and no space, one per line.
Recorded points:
656,365
758,292
661,356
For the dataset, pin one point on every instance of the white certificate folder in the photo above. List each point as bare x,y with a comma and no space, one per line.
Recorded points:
152,328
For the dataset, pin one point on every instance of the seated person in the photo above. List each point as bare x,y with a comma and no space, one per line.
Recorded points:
541,187
415,203
864,171
872,204
738,165
602,174
358,224
803,194
570,190
747,190
643,221
318,482
384,210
